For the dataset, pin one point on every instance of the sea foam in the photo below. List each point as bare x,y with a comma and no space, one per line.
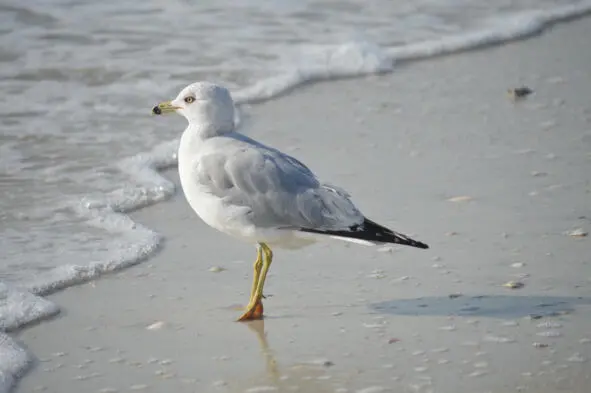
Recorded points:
14,361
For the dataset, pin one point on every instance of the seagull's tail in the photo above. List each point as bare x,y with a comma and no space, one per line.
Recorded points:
370,232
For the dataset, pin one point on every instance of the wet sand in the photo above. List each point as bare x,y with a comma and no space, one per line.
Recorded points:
435,150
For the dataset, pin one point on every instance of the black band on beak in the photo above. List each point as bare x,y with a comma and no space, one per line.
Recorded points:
156,110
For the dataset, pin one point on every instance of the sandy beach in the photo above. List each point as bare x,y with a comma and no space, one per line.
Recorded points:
499,189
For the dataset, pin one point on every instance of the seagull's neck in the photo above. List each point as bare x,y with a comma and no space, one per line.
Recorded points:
202,131
196,134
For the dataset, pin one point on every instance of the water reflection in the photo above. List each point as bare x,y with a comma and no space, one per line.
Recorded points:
258,327
302,377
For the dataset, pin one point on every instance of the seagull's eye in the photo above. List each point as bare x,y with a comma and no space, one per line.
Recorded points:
189,99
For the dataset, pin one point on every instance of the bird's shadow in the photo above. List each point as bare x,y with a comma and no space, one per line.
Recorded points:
494,306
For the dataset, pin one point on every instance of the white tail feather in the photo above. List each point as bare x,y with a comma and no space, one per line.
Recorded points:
356,241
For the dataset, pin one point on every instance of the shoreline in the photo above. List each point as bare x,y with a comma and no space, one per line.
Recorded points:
423,209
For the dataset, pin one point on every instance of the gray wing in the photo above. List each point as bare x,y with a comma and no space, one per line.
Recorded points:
278,190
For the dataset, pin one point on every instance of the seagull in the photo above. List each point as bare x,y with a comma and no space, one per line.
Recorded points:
256,193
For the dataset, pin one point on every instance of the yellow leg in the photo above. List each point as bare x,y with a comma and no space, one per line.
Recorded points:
258,264
254,309
263,275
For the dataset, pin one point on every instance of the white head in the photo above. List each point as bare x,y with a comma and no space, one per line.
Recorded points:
204,104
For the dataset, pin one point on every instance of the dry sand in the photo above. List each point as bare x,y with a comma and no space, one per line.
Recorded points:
346,318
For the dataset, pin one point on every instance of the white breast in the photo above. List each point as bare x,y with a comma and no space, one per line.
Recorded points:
202,202
209,207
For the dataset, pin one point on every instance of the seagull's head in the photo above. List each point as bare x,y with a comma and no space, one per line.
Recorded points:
202,103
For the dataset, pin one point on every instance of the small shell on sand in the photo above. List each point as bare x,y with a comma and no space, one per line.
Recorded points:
216,269
514,284
579,232
155,326
462,198
519,92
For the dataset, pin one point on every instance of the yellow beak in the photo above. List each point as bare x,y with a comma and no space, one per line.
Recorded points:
164,107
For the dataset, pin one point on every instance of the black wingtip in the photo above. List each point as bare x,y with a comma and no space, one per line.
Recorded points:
404,240
420,245
372,232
